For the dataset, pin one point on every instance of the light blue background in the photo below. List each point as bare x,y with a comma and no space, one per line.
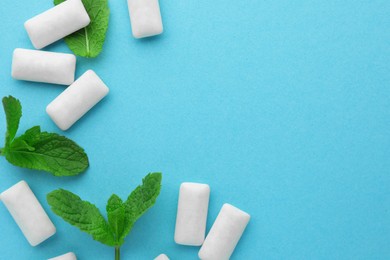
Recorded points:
282,107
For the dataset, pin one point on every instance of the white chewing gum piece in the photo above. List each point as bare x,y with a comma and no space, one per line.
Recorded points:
56,23
162,257
145,18
224,234
192,214
28,213
67,256
43,66
77,100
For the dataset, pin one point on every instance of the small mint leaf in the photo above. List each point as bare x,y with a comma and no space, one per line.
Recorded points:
31,135
116,216
21,145
27,140
13,113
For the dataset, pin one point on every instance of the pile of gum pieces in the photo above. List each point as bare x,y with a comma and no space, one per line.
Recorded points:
59,68
75,101
191,219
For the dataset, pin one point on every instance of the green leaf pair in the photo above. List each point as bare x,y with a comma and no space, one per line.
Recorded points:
121,215
88,42
40,150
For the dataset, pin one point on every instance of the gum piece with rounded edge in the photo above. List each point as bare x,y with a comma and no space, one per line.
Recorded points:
145,17
28,213
192,214
67,256
162,257
56,23
224,234
43,66
77,100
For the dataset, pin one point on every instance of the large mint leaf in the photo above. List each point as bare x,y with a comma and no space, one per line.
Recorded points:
80,214
47,152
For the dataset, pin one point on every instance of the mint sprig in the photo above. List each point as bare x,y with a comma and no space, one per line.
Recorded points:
38,150
121,215
88,42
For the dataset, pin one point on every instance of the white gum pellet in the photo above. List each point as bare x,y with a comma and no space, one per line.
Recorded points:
56,23
145,18
67,256
28,213
77,100
224,234
162,257
43,66
192,214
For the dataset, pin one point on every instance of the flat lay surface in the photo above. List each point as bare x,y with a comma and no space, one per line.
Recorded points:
282,107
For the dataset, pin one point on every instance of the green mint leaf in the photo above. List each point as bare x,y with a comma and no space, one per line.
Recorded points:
116,217
47,152
140,200
81,214
121,215
88,42
31,135
13,113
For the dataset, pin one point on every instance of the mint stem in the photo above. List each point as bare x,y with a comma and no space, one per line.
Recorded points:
117,253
